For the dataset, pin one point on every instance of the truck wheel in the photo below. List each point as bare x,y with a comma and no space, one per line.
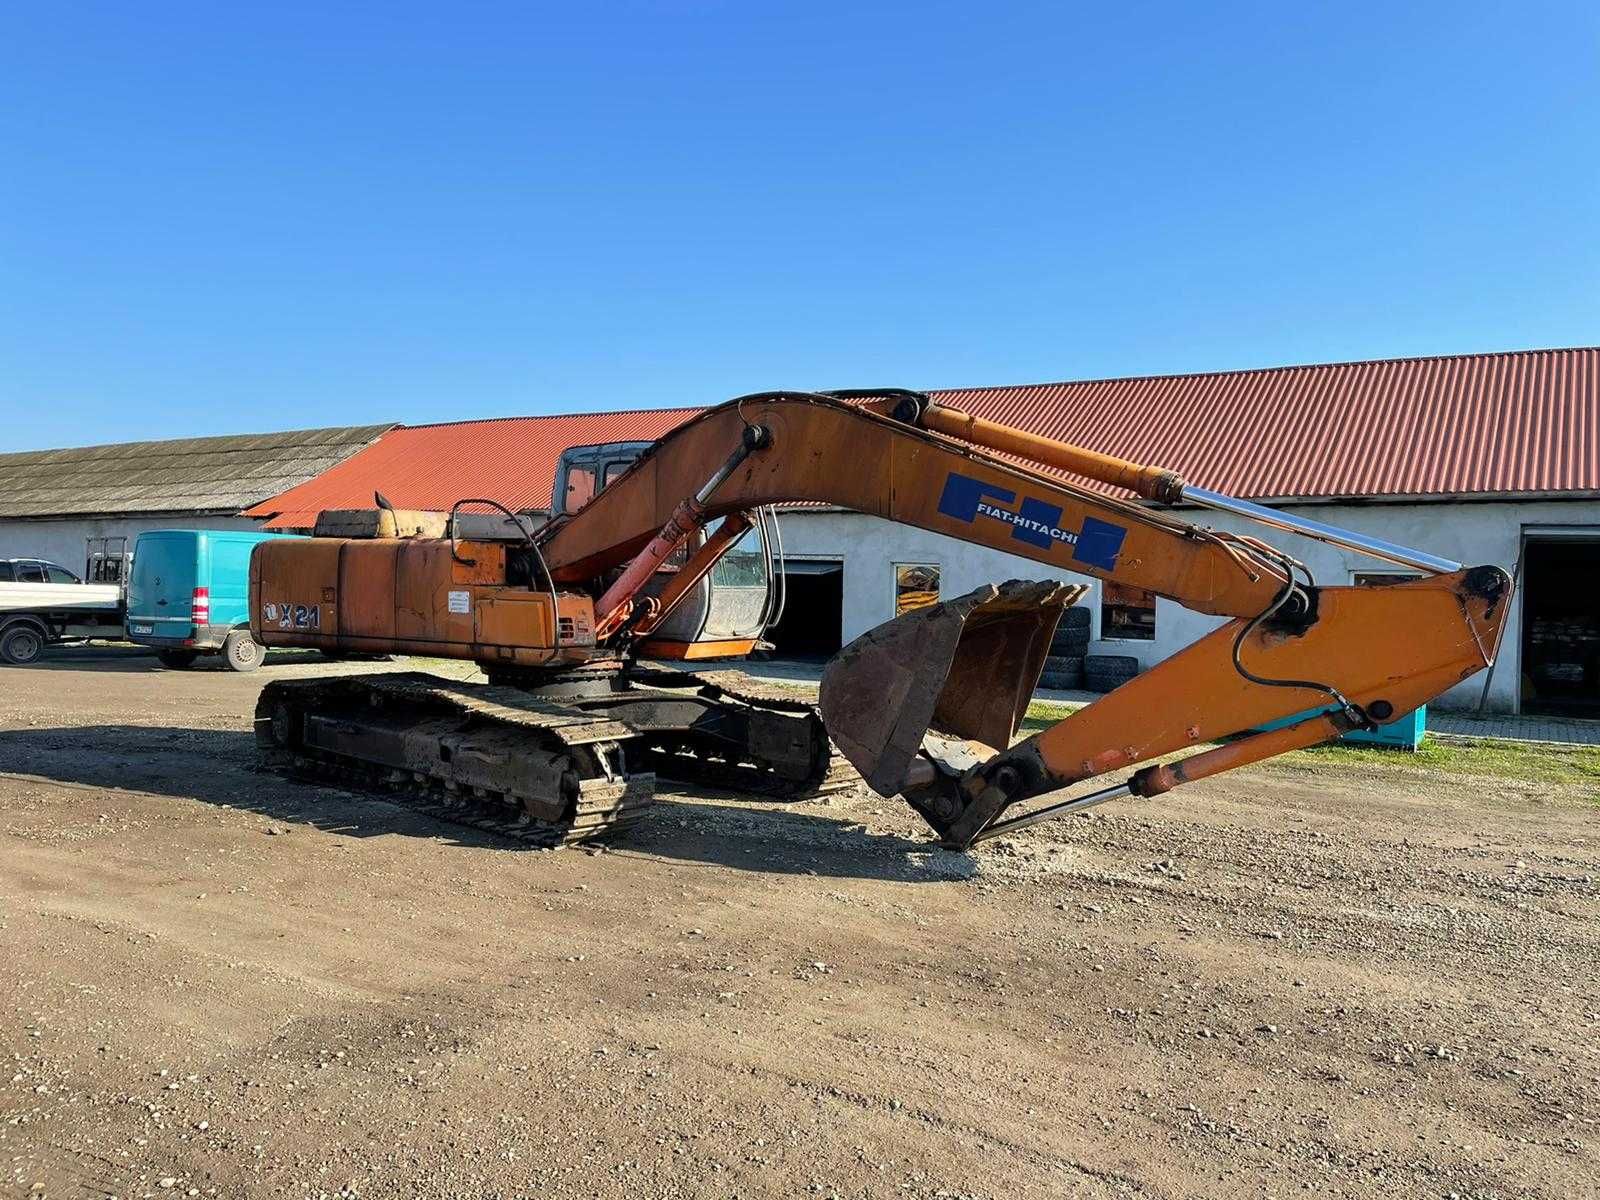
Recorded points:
177,659
21,644
242,652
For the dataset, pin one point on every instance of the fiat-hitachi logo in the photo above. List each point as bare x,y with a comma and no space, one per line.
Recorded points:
1033,522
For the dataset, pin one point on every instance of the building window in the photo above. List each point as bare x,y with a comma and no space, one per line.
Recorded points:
916,585
1127,613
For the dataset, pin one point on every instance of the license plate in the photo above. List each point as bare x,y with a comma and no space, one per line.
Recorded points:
141,629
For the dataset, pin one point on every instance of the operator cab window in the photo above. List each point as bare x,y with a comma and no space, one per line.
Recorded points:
580,488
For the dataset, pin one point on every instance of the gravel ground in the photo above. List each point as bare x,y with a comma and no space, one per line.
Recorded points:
1284,982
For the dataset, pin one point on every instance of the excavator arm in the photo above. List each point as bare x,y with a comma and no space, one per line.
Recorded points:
819,449
926,705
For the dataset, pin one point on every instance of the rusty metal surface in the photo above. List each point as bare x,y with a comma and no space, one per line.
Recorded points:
411,596
966,668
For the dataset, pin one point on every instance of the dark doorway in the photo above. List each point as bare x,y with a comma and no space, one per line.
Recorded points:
813,614
1561,627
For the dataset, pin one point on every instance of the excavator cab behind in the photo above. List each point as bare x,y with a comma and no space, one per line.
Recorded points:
728,609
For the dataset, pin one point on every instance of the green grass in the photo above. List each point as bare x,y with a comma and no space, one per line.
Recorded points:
1525,762
1042,714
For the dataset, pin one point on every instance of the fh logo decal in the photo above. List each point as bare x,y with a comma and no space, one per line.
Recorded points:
292,616
1034,522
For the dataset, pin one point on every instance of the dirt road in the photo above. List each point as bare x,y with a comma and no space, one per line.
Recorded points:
223,983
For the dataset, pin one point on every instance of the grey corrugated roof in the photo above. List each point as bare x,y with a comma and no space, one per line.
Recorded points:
209,474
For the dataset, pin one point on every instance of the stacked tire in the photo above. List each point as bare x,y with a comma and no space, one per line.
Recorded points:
1065,666
1107,672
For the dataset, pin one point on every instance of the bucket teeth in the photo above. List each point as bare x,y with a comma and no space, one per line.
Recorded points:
965,668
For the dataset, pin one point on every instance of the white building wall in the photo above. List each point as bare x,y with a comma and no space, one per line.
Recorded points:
1470,533
62,539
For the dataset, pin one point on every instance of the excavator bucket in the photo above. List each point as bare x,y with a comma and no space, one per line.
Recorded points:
965,668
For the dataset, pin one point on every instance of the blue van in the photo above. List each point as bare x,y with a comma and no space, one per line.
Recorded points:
189,594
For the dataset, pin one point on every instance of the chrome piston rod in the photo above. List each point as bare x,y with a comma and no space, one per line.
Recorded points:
1332,534
1076,804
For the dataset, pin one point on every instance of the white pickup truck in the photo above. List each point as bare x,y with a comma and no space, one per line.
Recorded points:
43,602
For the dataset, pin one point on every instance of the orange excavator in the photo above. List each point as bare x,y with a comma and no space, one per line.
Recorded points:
666,551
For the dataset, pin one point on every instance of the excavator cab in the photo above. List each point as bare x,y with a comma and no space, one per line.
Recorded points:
583,472
727,611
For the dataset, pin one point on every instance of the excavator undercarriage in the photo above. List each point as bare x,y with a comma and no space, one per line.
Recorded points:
567,740
565,758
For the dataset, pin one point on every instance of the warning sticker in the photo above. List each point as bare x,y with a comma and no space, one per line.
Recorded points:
460,602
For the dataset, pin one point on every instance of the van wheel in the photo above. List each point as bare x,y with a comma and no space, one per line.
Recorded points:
21,644
242,652
177,659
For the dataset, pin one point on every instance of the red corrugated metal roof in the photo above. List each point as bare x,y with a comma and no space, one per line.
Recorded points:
1519,423
512,460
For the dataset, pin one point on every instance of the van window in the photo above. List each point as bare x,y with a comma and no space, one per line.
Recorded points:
30,572
59,574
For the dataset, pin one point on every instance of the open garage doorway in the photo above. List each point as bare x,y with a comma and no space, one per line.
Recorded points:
813,614
1561,626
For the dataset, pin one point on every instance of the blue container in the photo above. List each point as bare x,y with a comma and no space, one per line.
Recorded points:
1403,734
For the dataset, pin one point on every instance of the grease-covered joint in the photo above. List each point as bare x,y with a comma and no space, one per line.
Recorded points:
1488,583
1019,773
1297,613
1166,488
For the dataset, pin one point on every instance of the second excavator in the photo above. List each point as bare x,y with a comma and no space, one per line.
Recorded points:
655,555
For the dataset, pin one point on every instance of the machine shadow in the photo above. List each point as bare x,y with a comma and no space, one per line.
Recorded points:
213,766
217,767
141,660
792,839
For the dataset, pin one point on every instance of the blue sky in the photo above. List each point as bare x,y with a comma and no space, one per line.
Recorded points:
226,218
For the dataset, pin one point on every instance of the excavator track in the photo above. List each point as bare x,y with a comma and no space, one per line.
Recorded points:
692,761
544,770
494,758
